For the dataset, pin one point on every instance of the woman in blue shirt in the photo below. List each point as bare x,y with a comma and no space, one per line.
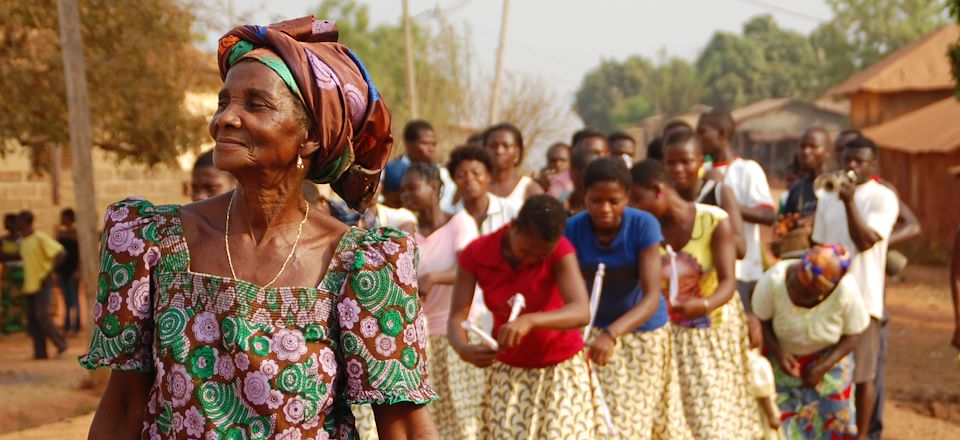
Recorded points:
630,343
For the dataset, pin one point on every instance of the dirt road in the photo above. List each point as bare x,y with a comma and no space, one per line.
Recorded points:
923,376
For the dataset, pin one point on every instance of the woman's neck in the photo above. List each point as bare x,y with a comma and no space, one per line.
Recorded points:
505,176
691,192
678,211
477,208
431,219
262,207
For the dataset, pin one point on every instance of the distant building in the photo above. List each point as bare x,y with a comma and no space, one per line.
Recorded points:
905,104
768,131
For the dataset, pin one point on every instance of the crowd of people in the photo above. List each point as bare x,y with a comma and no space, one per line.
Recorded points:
614,294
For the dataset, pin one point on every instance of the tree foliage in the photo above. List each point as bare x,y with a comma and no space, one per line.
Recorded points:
140,61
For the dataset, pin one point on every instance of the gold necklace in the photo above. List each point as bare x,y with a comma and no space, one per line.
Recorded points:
226,241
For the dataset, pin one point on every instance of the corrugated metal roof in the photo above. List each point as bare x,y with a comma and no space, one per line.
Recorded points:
931,129
921,65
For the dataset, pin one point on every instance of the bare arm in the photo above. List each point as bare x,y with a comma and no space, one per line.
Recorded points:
574,313
404,421
762,215
649,270
728,201
861,234
724,259
907,226
120,413
464,287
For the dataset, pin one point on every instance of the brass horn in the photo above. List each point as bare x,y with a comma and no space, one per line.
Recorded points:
830,183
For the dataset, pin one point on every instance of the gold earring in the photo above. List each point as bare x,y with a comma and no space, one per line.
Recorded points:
299,163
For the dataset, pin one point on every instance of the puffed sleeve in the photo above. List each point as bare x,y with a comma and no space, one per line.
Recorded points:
123,314
382,327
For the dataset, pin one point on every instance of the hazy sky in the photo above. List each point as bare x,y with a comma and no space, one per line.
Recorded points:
560,40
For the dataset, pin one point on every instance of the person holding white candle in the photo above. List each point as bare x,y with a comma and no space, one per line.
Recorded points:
630,341
539,377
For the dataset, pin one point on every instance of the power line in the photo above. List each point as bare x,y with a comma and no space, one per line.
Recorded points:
772,7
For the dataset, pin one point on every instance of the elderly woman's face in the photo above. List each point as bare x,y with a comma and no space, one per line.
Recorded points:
258,123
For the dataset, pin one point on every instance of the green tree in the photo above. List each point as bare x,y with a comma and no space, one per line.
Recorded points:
954,50
790,58
733,70
140,63
607,86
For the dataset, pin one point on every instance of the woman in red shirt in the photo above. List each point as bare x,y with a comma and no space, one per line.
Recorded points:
539,377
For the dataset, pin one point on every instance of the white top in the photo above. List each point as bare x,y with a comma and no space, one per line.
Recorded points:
749,185
499,213
393,217
800,330
438,253
519,193
879,208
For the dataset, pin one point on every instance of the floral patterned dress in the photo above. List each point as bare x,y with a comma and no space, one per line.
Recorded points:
233,360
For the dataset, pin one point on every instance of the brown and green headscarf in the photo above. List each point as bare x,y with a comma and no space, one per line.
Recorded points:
352,122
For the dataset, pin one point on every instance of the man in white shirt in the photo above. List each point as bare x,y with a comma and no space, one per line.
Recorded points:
861,216
420,145
748,182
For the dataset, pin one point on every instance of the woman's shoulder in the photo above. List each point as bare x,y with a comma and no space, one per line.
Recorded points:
137,213
714,212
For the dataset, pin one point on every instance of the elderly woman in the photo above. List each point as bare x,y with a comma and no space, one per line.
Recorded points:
248,315
812,317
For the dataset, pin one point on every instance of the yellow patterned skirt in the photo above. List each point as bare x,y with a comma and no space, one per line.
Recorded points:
641,387
460,386
366,425
712,366
558,402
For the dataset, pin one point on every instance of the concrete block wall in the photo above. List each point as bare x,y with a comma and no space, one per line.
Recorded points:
22,189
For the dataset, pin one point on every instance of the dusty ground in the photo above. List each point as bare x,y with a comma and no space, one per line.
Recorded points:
923,382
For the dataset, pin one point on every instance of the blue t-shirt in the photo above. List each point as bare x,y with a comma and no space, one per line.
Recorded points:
621,283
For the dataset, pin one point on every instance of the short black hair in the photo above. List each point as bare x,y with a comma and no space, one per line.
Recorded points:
204,160
849,131
468,152
648,173
862,142
508,127
585,133
721,120
581,158
655,149
68,213
411,131
556,146
607,169
543,216
8,218
679,137
620,136
26,217
429,172
675,123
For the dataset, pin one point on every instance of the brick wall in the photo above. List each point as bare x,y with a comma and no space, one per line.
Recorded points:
21,189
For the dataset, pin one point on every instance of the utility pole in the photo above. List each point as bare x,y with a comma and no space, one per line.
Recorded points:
498,75
411,75
71,48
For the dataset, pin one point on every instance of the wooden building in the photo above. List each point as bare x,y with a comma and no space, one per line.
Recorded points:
919,152
914,76
768,131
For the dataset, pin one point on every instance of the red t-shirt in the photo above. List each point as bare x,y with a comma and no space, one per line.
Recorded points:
500,281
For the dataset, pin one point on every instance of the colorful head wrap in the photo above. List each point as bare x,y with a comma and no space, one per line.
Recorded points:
352,122
823,266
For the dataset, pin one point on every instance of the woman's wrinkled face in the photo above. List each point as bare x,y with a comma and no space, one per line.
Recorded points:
648,199
417,194
605,202
683,163
472,178
258,123
503,146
